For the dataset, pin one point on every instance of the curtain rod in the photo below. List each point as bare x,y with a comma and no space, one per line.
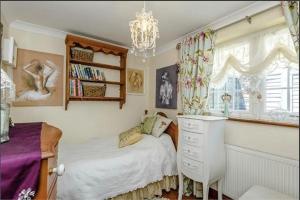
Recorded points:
248,18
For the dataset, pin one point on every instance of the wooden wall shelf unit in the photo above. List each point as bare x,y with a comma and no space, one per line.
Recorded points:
76,41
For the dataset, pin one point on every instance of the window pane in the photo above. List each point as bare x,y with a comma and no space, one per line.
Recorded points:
294,91
276,99
275,94
239,99
282,87
215,101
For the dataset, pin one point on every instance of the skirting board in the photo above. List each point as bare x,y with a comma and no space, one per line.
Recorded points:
246,168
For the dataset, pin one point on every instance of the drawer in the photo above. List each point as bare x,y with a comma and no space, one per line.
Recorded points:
194,139
195,153
52,163
52,194
192,168
193,125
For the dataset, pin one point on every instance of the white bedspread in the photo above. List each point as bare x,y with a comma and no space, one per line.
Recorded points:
99,169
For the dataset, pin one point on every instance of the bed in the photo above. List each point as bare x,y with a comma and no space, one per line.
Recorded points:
98,169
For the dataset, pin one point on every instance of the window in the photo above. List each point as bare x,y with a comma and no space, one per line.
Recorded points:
260,81
282,89
232,86
239,101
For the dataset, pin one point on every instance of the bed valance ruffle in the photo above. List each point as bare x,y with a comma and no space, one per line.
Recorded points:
151,190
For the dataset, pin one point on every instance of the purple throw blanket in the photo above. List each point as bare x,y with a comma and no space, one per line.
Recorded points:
20,162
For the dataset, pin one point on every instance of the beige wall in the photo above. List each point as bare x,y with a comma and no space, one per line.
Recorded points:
5,35
276,140
5,26
82,120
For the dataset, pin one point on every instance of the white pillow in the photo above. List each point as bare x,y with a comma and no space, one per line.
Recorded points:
160,125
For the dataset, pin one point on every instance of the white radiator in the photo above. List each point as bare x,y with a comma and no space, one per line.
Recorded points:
246,168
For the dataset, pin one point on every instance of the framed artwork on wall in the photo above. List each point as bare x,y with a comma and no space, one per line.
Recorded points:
38,78
135,81
166,87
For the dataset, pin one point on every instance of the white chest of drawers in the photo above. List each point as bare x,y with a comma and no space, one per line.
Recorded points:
201,151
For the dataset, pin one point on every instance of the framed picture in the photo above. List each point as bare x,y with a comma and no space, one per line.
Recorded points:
166,87
38,78
135,81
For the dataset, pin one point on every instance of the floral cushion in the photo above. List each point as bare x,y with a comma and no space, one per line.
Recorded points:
160,125
148,124
130,136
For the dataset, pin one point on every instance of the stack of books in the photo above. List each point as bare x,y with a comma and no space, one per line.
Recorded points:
86,72
76,88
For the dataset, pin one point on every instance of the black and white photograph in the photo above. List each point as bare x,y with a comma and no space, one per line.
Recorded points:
166,87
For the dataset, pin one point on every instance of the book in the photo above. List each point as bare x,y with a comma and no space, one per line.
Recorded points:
86,72
76,88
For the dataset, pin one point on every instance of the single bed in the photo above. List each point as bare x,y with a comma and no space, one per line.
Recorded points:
98,169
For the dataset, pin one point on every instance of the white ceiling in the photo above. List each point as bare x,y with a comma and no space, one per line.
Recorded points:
108,20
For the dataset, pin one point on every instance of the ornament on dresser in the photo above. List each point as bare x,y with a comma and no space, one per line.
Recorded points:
226,98
7,96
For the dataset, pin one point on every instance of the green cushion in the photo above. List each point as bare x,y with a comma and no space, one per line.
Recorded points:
148,124
130,136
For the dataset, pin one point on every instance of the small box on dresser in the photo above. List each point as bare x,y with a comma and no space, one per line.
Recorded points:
201,151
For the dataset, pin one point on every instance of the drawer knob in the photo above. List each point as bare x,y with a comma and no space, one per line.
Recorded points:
58,170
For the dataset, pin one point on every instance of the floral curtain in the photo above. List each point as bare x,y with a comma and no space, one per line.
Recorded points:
196,61
291,13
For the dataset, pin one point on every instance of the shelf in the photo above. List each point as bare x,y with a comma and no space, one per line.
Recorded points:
100,65
99,81
97,46
71,98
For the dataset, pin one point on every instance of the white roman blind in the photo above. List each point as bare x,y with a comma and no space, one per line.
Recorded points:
260,71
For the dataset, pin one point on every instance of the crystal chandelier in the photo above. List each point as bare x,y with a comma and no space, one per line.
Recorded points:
144,31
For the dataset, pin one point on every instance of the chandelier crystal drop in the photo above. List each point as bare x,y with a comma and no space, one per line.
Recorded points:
144,32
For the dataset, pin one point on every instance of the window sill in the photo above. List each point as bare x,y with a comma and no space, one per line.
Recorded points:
285,124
